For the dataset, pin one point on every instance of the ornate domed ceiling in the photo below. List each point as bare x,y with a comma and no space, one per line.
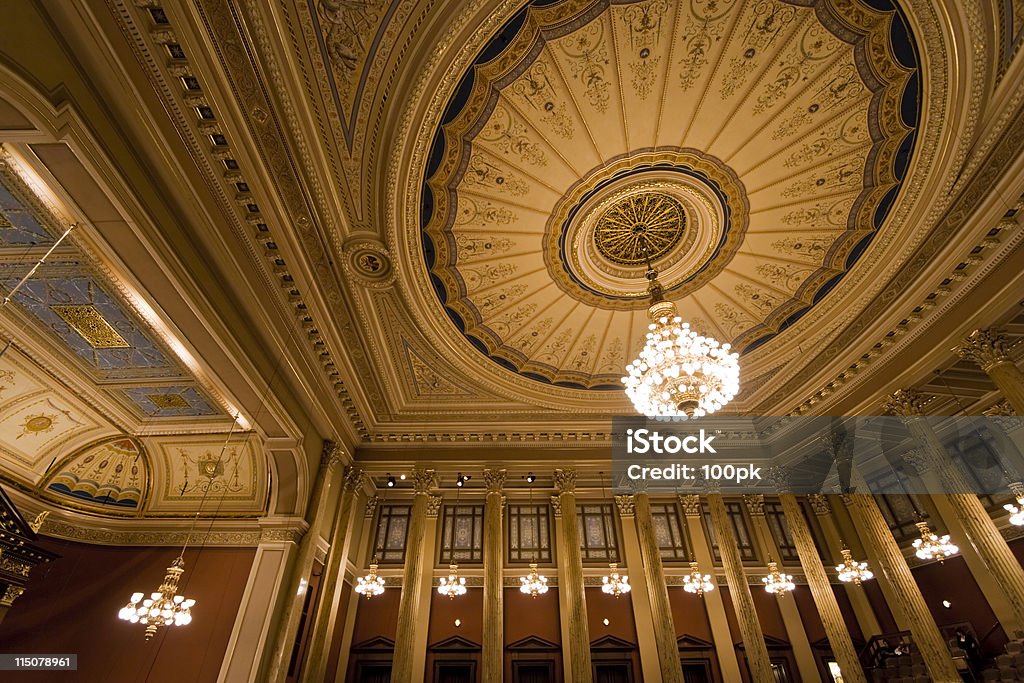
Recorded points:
750,150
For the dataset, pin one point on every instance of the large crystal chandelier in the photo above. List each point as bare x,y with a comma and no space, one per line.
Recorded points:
697,583
852,571
614,584
931,546
776,582
679,372
534,583
370,585
163,607
454,585
1016,511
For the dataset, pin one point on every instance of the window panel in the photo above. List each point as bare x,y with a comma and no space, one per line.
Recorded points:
462,534
738,521
668,531
529,533
598,538
776,519
392,529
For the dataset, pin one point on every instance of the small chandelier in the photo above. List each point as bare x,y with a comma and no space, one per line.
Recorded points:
697,583
615,584
454,585
852,571
163,607
678,372
932,546
1016,511
534,583
370,585
776,582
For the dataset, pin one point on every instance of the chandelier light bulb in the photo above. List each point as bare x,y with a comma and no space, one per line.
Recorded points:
931,546
678,372
852,571
697,583
776,582
615,584
534,583
163,607
453,585
370,585
1016,511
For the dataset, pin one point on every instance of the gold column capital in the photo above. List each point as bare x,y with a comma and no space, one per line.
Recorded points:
371,506
819,504
906,403
626,505
354,478
986,347
1001,409
556,505
754,503
434,505
691,504
778,477
565,480
423,480
494,479
331,454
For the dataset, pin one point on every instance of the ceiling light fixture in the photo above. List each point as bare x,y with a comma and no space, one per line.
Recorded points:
931,546
678,372
453,585
1016,511
852,571
697,583
370,585
534,583
776,582
391,482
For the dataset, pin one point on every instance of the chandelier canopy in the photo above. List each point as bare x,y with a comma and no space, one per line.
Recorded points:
679,372
852,571
370,585
776,582
163,607
931,546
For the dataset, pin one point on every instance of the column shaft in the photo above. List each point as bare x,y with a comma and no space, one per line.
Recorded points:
791,619
865,614
362,537
493,647
575,596
315,668
720,633
988,348
821,589
908,599
427,552
291,612
409,603
743,601
661,610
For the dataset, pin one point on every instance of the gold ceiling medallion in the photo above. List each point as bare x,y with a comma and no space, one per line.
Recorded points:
639,227
168,401
87,321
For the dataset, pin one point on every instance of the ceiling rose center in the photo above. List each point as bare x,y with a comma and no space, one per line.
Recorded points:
640,227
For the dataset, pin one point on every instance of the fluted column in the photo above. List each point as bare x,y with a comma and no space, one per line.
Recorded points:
988,349
572,585
661,610
742,600
720,633
791,619
295,595
326,616
821,589
409,605
981,531
492,663
909,602
639,597
362,538
862,609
